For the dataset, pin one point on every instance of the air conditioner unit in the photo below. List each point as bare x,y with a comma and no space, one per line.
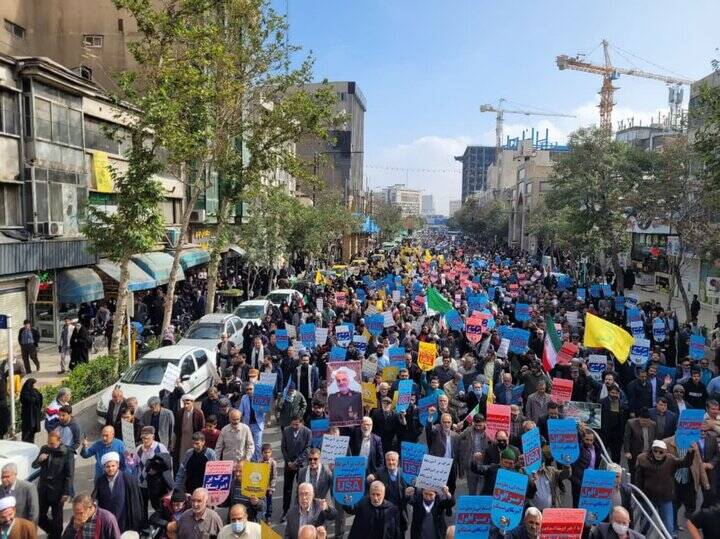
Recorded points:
197,216
53,228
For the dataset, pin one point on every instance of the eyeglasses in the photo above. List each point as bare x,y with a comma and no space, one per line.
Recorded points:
313,458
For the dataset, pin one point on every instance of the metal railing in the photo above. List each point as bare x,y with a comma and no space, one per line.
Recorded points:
646,519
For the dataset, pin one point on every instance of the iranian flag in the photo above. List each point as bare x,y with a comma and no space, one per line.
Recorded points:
553,342
469,418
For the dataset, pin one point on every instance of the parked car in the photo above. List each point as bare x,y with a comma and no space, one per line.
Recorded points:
206,332
22,454
144,377
253,310
286,295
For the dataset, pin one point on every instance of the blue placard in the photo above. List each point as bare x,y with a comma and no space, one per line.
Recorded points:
343,334
532,453
606,290
658,329
262,398
519,340
477,302
307,335
423,405
522,312
581,294
454,320
375,324
318,428
664,370
688,429
411,456
401,289
596,494
361,343
517,393
619,303
640,351
396,353
697,347
491,293
282,340
349,479
361,295
472,520
508,499
404,393
563,436
595,290
214,482
417,288
633,314
637,329
338,353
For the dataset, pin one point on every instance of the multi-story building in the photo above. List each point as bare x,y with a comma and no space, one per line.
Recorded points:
427,205
454,207
475,162
409,201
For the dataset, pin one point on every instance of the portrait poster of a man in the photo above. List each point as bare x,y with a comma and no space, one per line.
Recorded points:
344,393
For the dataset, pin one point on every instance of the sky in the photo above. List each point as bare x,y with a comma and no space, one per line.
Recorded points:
426,66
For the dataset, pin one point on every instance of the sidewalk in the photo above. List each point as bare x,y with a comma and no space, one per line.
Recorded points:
49,359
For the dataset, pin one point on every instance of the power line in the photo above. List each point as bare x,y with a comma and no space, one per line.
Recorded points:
423,170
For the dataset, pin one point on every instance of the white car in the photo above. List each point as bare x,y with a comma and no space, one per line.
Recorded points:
253,310
286,295
22,454
142,380
206,332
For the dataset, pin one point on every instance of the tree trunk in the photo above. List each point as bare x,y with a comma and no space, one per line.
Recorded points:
120,310
683,293
216,248
195,190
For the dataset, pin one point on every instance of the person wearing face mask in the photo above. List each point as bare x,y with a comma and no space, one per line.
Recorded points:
239,527
618,527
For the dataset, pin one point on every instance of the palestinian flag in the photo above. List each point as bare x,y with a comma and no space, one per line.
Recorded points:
436,303
552,345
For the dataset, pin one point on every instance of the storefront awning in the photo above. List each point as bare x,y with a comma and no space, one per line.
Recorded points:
190,258
158,266
139,280
79,285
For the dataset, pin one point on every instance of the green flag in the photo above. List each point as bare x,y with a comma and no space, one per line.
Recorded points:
435,302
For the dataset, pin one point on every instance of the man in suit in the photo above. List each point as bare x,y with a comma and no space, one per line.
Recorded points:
309,510
617,528
444,442
116,407
305,378
386,423
665,420
24,492
118,492
295,444
639,435
162,420
709,450
364,443
503,392
317,474
395,485
375,516
429,509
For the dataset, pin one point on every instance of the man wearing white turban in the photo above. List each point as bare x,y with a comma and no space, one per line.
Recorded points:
119,492
11,526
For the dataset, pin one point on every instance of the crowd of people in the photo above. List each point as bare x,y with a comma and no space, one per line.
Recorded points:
627,412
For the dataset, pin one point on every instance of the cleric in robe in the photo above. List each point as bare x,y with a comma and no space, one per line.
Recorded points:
345,398
118,492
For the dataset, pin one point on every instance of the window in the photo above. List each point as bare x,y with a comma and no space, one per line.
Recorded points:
86,72
188,366
172,210
200,357
57,122
15,30
10,204
9,116
93,41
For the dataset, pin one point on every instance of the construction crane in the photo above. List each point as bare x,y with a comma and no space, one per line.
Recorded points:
611,73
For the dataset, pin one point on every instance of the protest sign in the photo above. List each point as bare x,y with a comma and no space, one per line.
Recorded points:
403,395
262,398
269,378
171,376
434,473
497,418
128,435
396,353
343,335
633,314
474,328
606,290
619,303
596,494
522,312
697,347
338,353
307,335
388,320
349,479
255,479
369,368
396,296
503,349
595,290
361,295
568,350
424,406
375,324
344,401
688,429
586,412
508,499
369,396
472,520
291,331
360,342
321,335
637,329
281,339
561,523
532,453
519,340
640,351
340,299
266,532
411,456
581,293
597,363
572,318
427,352
319,304
318,427
561,390
454,320
563,436
333,446
658,329
517,393
216,481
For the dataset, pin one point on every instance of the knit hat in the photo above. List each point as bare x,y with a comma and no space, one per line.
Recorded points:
508,454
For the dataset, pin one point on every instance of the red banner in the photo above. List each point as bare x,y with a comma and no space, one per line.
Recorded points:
497,418
562,390
561,523
566,353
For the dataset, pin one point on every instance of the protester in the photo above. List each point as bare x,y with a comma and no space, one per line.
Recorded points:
55,461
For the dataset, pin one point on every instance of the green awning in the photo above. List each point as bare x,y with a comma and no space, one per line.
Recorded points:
189,258
139,280
158,266
80,285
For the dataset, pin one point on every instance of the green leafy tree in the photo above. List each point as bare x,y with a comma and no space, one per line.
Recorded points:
488,222
705,118
388,219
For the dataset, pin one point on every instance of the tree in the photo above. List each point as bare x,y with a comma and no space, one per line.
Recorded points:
388,219
488,222
706,118
592,184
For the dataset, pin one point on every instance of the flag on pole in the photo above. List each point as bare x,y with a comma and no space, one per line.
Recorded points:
435,303
552,345
600,333
472,414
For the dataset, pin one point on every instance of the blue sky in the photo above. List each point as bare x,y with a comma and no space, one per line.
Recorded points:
426,66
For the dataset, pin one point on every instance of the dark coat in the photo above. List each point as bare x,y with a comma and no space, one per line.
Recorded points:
132,517
398,498
109,416
605,531
56,473
438,514
198,420
671,419
362,525
80,344
35,336
31,409
376,456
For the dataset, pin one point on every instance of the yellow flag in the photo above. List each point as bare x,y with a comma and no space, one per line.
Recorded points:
427,352
600,333
266,532
101,171
390,374
255,479
318,277
369,396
